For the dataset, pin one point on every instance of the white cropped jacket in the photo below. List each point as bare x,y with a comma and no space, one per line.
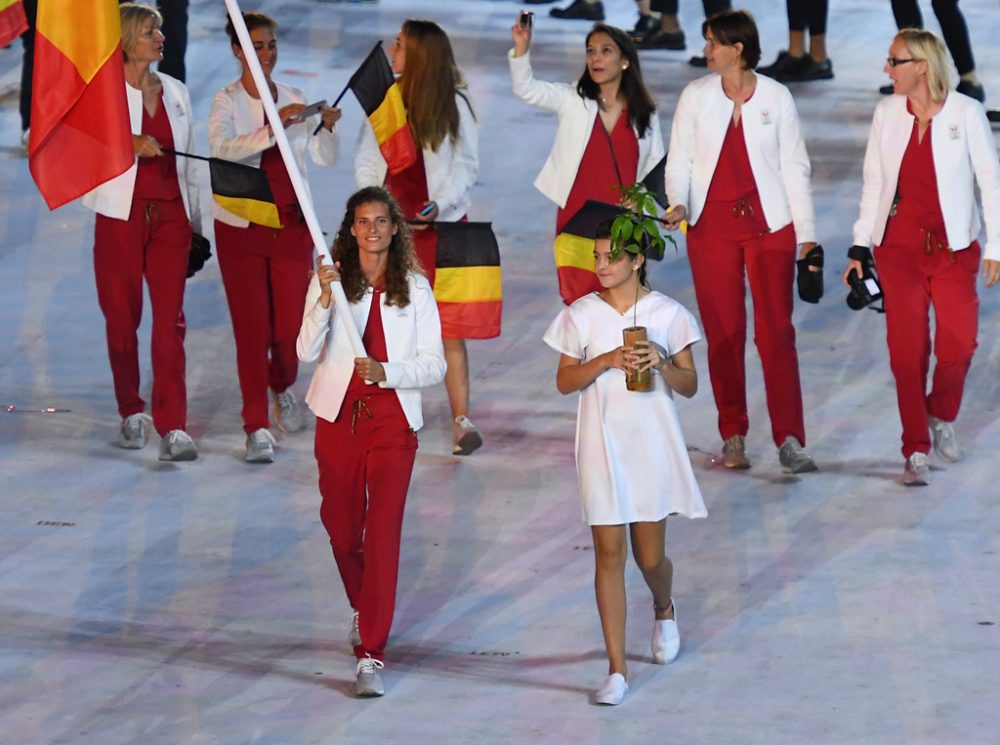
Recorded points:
777,152
964,152
412,341
576,122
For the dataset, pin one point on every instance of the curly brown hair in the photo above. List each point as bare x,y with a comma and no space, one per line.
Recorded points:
402,257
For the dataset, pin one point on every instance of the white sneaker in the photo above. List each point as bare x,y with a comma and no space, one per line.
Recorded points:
260,446
794,458
368,682
177,445
287,412
354,635
917,471
613,691
134,431
944,439
26,139
471,438
666,641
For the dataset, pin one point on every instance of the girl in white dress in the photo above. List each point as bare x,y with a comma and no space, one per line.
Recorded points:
631,458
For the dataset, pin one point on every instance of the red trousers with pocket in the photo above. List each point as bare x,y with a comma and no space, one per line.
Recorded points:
365,462
153,244
266,275
913,280
726,241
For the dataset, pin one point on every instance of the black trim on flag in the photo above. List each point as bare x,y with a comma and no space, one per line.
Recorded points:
461,244
371,80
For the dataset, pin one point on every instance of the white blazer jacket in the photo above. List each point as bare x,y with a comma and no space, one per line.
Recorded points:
114,198
412,340
451,171
964,151
237,130
576,122
778,157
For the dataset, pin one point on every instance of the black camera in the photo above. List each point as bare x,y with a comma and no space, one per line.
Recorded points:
865,289
526,19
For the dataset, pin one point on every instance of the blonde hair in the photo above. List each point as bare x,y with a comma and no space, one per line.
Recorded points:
925,46
133,16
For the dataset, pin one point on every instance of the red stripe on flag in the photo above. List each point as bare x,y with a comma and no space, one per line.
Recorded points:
13,23
575,283
479,320
80,133
399,151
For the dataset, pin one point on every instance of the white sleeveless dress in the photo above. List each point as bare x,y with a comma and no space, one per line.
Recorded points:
631,457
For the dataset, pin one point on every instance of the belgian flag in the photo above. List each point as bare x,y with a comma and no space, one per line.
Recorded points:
467,281
375,87
244,191
574,249
80,134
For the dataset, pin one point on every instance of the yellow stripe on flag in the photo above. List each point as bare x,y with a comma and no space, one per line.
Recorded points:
85,34
260,213
4,4
390,116
467,284
572,250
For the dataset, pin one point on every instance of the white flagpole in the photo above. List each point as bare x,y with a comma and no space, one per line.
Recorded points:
305,203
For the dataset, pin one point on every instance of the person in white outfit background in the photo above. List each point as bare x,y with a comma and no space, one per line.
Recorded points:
145,218
436,187
738,172
608,135
928,147
266,270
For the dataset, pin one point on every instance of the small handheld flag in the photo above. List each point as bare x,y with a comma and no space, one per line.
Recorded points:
375,87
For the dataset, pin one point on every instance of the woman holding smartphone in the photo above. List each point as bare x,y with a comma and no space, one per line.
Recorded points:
436,187
608,134
266,270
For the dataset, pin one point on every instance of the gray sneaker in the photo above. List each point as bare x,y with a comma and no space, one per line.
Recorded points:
945,443
287,412
260,446
794,458
177,445
917,471
369,682
134,430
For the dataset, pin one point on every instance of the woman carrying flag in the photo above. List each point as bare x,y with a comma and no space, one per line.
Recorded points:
145,218
368,408
266,269
435,186
608,135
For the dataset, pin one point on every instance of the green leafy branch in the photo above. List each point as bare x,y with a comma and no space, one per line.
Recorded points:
638,229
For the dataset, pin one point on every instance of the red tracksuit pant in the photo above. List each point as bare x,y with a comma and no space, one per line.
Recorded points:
364,475
266,274
912,281
154,244
725,240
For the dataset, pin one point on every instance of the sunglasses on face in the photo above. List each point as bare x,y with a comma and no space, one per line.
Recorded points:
896,61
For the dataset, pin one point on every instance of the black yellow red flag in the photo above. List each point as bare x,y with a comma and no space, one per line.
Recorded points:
375,87
467,282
